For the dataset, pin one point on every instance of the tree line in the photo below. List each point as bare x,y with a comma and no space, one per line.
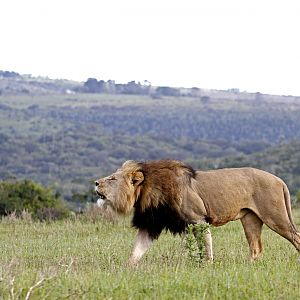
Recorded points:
92,85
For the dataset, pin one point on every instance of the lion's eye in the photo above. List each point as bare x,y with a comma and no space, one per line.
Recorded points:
112,178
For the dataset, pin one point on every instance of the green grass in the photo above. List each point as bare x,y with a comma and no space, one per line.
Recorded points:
81,259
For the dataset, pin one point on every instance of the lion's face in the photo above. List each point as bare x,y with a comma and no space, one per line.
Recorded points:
120,189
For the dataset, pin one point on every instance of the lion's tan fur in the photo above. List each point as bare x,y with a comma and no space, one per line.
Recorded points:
169,191
119,188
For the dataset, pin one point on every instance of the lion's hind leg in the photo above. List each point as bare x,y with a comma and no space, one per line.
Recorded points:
252,226
281,224
286,230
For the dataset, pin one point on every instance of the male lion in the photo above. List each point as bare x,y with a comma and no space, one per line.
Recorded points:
168,194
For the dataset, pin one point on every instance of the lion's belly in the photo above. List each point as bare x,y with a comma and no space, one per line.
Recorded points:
221,218
226,194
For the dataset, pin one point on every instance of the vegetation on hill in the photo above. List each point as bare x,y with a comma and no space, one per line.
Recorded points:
64,140
69,140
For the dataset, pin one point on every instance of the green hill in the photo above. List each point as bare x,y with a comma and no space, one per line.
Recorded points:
67,140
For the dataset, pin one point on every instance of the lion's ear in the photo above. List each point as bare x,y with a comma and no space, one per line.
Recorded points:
128,163
137,178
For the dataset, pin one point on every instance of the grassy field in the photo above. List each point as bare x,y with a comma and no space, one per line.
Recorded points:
85,259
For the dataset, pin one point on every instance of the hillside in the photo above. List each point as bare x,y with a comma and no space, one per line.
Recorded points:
68,140
13,83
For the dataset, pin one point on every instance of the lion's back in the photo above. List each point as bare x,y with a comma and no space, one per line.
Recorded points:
226,191
235,178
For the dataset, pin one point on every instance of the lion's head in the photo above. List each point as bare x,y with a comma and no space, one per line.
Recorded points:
120,189
148,183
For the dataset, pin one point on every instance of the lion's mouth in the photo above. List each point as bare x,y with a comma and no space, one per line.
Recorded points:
102,201
101,196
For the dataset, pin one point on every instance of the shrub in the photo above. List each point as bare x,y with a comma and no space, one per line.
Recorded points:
41,202
195,241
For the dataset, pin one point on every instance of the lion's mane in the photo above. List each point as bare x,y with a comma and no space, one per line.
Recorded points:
159,203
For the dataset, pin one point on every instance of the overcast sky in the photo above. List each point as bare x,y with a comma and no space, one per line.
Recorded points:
251,45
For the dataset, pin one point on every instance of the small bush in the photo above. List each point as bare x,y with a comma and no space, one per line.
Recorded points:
195,241
18,197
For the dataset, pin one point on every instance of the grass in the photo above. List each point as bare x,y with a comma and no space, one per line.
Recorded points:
81,259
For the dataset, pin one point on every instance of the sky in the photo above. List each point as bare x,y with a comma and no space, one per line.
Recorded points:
251,45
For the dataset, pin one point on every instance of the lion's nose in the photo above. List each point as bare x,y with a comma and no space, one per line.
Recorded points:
97,183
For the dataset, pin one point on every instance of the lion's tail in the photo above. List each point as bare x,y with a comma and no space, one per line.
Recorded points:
287,198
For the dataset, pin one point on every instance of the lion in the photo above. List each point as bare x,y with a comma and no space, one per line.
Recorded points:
168,194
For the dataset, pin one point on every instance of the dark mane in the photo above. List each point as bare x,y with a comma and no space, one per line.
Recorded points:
168,164
156,219
158,206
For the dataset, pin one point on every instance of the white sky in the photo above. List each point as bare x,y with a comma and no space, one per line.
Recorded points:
252,45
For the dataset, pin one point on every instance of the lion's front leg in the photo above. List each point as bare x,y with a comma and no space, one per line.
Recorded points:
207,243
142,243
208,246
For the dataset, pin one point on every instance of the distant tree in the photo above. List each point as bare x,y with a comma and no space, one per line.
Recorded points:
133,88
111,86
258,96
195,92
120,88
167,91
102,86
91,85
147,87
8,74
